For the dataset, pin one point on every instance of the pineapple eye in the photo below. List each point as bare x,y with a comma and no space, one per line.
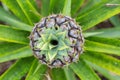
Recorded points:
54,42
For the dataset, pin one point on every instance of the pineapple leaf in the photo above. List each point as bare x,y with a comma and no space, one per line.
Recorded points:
29,11
45,7
13,35
88,34
69,74
101,11
108,33
67,8
115,20
39,45
52,54
44,37
109,41
18,70
61,35
89,4
16,54
76,4
13,21
52,36
84,71
62,45
37,71
102,60
100,47
9,47
109,75
52,5
23,10
58,8
45,46
51,46
62,53
61,74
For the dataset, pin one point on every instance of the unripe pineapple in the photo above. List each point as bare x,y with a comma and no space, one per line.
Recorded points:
57,40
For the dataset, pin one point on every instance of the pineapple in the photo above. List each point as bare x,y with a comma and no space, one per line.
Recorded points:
57,40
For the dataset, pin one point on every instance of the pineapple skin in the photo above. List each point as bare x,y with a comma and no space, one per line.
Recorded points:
74,34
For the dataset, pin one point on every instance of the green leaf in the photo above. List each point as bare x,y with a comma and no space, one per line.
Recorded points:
108,33
98,13
9,47
62,74
100,47
23,10
45,7
12,20
37,71
35,5
52,5
51,54
29,11
84,71
18,70
88,34
15,8
16,54
109,41
45,46
58,7
109,75
69,74
88,5
13,35
62,53
115,20
62,45
76,4
67,8
102,60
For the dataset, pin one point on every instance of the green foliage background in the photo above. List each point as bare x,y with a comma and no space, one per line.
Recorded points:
19,17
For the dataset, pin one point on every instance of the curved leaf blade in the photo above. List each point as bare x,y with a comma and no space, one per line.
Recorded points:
109,41
9,47
18,70
75,6
67,8
13,21
62,74
107,62
29,11
13,35
44,8
115,20
84,71
16,54
69,74
18,7
109,75
100,47
108,33
98,13
37,71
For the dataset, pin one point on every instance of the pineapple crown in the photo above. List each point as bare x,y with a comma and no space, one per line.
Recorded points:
53,43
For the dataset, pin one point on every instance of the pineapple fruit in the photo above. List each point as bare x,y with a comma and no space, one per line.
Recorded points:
57,40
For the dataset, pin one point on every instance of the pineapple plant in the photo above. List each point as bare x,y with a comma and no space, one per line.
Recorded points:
57,40
44,40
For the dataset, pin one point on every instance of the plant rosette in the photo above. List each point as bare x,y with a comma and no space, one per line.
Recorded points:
57,40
